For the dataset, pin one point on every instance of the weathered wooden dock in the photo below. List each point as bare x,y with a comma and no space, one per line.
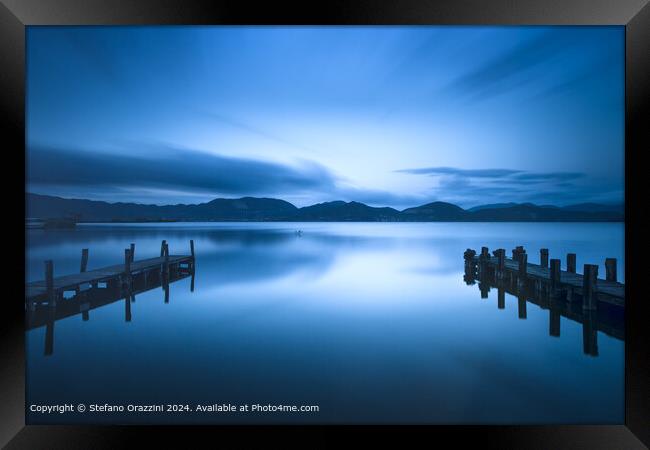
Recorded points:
597,304
608,318
547,275
50,288
46,303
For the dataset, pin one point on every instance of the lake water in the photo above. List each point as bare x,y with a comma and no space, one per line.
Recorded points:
371,322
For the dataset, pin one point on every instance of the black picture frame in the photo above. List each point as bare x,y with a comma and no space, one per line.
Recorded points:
633,14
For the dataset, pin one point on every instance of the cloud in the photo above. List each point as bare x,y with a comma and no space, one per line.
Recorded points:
513,68
508,174
548,176
173,169
471,187
252,129
477,173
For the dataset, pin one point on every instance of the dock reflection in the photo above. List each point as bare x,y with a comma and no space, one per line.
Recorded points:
85,300
606,318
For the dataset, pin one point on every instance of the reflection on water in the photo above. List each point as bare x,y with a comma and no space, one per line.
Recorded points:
372,322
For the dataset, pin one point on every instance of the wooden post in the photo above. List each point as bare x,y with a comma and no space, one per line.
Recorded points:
555,272
485,289
469,255
501,262
84,259
162,247
610,269
127,266
589,333
132,252
521,300
127,307
127,261
485,253
571,262
192,248
166,264
523,264
49,282
543,257
590,275
554,323
501,298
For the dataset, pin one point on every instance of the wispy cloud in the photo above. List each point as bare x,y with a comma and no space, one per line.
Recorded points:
511,174
513,68
173,168
253,129
548,176
473,173
470,187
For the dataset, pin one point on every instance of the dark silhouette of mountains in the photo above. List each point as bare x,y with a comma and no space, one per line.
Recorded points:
270,209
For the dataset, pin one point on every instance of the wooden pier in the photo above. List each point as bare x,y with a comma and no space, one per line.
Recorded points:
46,304
597,304
50,288
547,275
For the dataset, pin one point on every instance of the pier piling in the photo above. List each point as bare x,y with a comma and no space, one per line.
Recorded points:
555,273
543,257
84,260
610,269
501,262
523,264
571,262
501,298
554,323
590,275
127,266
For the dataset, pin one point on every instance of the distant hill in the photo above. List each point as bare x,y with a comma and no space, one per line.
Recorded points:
246,208
527,212
596,207
436,211
340,211
270,209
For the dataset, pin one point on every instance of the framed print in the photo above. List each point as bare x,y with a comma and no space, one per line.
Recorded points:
367,217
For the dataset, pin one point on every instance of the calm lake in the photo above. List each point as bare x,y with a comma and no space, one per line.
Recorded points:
371,322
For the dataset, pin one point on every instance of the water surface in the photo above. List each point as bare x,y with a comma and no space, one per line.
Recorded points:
372,322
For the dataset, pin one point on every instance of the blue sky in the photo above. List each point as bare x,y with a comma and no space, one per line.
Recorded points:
389,116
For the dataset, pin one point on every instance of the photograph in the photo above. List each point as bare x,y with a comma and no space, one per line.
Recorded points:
343,225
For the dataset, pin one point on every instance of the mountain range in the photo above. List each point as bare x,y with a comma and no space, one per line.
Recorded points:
271,209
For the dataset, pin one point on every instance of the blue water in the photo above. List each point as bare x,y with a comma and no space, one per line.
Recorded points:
371,322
